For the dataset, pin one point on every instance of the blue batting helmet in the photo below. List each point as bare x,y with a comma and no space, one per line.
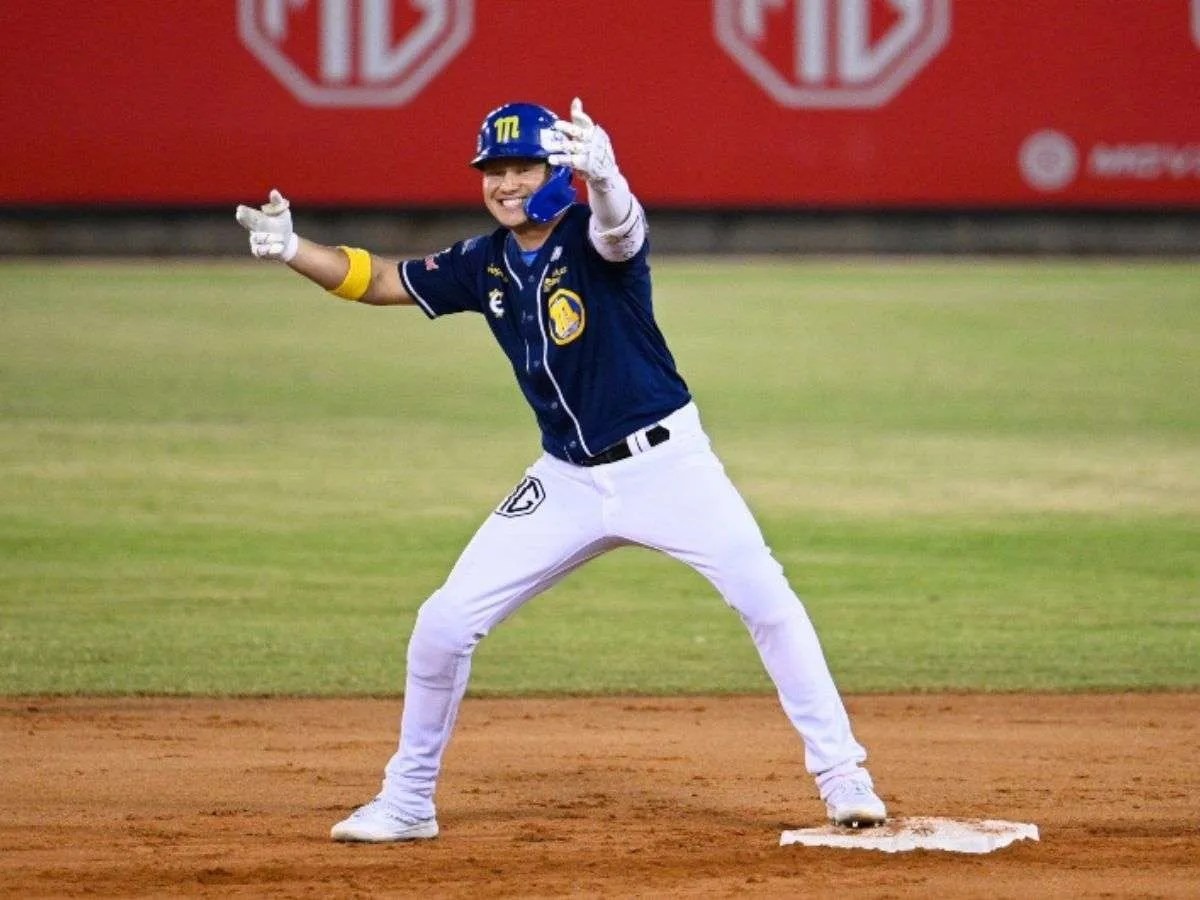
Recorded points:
526,131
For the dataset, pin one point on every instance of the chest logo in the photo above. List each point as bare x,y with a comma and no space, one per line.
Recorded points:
550,282
567,317
496,302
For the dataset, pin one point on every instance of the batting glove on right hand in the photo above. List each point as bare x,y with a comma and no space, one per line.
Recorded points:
270,227
586,146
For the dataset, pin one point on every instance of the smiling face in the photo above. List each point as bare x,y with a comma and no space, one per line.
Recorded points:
507,184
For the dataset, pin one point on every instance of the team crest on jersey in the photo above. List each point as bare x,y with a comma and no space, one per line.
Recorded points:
567,317
496,272
525,498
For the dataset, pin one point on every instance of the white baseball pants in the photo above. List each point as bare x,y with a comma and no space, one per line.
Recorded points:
675,498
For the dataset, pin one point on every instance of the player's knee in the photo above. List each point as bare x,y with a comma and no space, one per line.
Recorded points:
768,611
762,596
764,603
440,636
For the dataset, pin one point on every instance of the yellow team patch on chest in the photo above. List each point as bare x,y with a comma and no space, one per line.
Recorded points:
567,316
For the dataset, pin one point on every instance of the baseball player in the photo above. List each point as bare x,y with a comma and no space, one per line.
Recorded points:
565,288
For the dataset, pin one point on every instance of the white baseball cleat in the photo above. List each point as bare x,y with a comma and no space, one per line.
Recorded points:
378,823
852,802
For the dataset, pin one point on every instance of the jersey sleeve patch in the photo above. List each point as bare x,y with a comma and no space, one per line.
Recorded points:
413,291
447,281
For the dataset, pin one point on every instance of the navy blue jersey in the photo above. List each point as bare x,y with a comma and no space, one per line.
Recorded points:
579,330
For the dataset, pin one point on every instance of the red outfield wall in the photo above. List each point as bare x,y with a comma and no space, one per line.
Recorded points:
762,103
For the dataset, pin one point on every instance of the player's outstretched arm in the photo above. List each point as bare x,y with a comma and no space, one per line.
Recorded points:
618,226
348,272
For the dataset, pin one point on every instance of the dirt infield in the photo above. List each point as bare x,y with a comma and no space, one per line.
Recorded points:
592,797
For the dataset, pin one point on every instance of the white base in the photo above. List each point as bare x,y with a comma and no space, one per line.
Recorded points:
917,833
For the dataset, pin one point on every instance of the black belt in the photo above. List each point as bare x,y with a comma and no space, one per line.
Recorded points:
619,451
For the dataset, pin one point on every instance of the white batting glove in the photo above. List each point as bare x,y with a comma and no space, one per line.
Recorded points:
586,147
270,227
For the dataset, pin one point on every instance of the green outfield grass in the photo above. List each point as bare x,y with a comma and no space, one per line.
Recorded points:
979,475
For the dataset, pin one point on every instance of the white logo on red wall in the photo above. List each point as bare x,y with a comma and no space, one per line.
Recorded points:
832,54
1050,161
355,52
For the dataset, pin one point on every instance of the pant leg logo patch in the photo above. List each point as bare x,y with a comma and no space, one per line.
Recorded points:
525,498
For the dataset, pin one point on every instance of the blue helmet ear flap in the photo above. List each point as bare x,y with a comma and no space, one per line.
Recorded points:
551,200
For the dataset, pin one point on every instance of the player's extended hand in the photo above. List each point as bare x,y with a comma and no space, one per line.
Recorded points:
586,147
270,227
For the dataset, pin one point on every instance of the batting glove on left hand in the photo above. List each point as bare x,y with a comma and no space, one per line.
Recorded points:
270,227
586,146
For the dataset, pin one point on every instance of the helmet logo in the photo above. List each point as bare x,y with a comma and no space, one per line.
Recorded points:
354,53
508,128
